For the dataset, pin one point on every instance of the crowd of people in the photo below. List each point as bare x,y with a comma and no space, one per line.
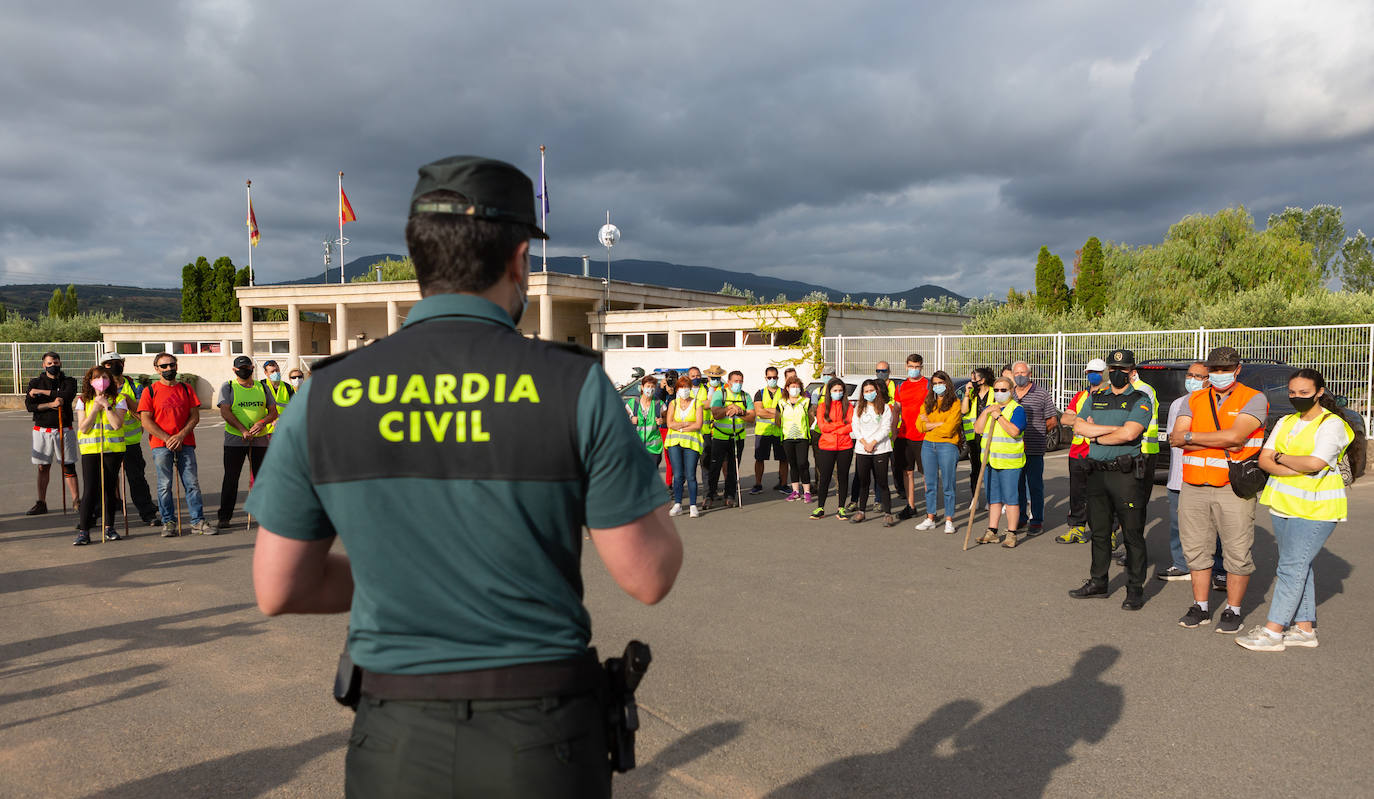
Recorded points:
914,430
99,422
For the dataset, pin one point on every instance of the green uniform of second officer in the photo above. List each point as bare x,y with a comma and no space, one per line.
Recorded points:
1114,422
459,462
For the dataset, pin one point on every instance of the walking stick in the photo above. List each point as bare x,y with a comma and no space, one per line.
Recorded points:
104,513
252,478
62,460
978,488
176,491
124,496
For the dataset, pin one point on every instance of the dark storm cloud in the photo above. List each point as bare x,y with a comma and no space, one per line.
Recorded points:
869,146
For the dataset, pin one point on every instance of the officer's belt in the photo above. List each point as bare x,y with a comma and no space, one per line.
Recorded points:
1104,466
570,677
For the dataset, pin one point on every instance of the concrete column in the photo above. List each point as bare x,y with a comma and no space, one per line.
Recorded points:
393,317
546,317
246,315
340,327
293,332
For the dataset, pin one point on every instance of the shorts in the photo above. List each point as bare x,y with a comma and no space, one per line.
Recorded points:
1209,513
45,447
1002,485
768,448
906,455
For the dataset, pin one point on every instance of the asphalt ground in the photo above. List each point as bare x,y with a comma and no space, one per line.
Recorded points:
794,658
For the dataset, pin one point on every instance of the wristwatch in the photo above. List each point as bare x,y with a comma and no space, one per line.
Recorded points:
1188,437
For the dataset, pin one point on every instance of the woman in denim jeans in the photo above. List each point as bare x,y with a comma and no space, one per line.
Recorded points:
941,420
1306,498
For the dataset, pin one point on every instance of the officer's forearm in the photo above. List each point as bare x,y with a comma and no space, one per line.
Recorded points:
291,576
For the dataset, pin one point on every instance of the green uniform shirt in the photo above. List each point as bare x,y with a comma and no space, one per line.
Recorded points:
1114,410
460,574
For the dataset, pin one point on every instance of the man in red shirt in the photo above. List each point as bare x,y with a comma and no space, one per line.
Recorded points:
906,450
170,412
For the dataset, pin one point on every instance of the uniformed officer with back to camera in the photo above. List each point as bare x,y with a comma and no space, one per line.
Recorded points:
462,571
1114,423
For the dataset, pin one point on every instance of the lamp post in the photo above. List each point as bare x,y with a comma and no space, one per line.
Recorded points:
608,235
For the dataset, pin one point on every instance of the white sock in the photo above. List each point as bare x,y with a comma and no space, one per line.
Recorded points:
1202,604
1233,609
1271,633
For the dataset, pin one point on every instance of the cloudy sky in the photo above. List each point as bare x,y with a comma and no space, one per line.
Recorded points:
869,146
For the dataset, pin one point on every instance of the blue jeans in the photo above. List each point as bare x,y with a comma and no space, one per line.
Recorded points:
1295,597
1176,546
1000,485
1032,488
940,459
186,464
684,463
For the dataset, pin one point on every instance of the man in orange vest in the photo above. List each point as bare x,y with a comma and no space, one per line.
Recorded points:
1222,423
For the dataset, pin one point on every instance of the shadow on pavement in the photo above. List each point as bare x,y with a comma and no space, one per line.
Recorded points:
128,693
111,572
1012,751
646,778
105,678
252,773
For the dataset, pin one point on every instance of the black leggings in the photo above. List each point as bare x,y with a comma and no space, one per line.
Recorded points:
873,467
826,462
90,480
797,450
975,461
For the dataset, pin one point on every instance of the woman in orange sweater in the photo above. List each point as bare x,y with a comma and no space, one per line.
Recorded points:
943,422
835,448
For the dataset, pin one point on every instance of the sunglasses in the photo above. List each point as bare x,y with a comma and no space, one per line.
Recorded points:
162,367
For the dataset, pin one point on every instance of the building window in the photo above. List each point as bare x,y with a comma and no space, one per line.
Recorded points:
154,347
613,341
722,338
786,338
279,345
657,341
196,347
634,341
129,347
757,338
236,347
693,340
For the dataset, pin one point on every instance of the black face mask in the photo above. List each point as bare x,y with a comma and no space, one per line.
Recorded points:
1302,404
169,374
245,373
1118,378
116,368
53,371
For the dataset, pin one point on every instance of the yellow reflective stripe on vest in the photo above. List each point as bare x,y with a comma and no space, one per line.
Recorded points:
731,427
101,437
681,438
794,419
766,427
703,398
1319,496
1005,451
1149,444
133,428
283,398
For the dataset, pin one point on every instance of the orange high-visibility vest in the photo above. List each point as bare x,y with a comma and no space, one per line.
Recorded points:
1208,466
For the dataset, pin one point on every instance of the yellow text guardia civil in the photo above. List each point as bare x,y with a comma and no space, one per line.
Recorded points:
459,426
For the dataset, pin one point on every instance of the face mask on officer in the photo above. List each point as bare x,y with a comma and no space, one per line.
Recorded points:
100,384
938,388
715,382
169,372
1193,384
837,394
647,390
275,377
1221,380
1302,404
696,381
882,374
735,387
1119,378
1094,378
870,396
1001,396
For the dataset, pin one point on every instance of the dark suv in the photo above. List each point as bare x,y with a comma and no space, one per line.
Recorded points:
1268,376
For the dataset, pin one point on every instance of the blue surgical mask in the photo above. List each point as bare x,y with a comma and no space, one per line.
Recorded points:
913,373
869,396
715,381
735,387
1221,380
1193,384
1094,378
275,377
772,382
837,394
938,388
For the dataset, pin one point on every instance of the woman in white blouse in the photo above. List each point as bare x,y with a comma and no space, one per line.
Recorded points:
872,434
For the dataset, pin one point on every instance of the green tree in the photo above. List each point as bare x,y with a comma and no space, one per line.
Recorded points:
4,313
70,302
225,307
190,294
1322,227
1090,289
1051,292
1357,263
205,273
57,305
392,269
942,304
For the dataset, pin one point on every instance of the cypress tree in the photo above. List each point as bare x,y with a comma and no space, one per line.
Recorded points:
1091,288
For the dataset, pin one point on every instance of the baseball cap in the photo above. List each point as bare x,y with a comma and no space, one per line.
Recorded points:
828,370
1121,359
491,189
1223,358
242,361
1096,365
111,356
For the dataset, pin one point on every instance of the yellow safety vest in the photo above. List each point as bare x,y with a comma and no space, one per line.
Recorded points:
731,427
283,398
702,394
682,438
1077,409
1319,496
771,398
101,437
250,405
976,404
796,418
1149,445
1004,451
133,428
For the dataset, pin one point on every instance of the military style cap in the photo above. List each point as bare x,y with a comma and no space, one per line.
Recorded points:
1223,358
492,190
1121,359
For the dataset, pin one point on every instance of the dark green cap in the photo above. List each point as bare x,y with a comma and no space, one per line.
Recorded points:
1121,359
493,190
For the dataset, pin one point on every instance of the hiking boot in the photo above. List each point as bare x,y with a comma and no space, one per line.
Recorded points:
224,524
82,539
1260,639
1010,540
169,530
1174,573
39,508
990,537
202,527
1296,636
1135,599
112,535
1228,623
1090,589
1194,617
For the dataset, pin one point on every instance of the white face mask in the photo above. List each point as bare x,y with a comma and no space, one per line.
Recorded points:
1001,396
295,381
647,391
684,393
735,387
794,390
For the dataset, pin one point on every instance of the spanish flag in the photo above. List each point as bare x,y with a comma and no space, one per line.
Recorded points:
252,225
346,214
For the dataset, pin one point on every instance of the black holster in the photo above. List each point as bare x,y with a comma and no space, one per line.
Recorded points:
622,714
348,682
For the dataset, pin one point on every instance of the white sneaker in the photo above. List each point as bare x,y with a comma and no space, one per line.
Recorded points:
676,510
692,512
1261,640
1296,636
949,526
927,524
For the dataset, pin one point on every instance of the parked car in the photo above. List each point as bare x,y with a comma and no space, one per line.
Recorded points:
1266,375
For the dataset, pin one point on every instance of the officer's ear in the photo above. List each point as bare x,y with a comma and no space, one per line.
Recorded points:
518,267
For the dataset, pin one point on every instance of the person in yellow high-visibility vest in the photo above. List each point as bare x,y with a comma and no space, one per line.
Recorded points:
133,462
247,408
1306,498
768,431
281,392
1003,423
684,445
100,411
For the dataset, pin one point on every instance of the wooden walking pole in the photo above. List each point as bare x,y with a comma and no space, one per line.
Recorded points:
252,478
62,460
104,514
176,492
124,496
978,487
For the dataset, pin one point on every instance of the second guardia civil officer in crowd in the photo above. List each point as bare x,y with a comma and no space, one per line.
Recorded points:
467,620
1114,422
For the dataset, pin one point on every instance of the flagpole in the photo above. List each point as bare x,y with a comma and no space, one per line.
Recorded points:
250,233
341,238
543,209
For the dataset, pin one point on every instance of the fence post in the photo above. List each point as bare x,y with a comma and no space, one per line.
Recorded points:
940,351
839,356
14,365
1369,385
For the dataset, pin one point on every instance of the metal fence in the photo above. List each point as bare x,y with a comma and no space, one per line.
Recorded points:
22,360
1344,354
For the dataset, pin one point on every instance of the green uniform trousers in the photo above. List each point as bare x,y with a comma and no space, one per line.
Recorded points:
554,747
1117,495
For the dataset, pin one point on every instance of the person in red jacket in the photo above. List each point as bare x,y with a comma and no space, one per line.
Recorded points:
835,448
906,450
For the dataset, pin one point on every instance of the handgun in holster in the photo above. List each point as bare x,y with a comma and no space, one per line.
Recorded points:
623,675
